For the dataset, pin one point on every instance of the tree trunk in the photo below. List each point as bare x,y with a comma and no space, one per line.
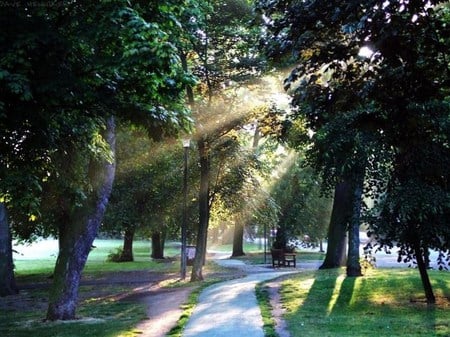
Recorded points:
157,245
200,252
238,239
353,263
127,251
7,280
422,265
321,246
76,237
337,239
163,240
281,239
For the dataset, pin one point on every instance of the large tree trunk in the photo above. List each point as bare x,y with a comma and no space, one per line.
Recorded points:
76,238
238,239
157,245
127,251
281,239
353,261
337,238
422,265
202,234
7,280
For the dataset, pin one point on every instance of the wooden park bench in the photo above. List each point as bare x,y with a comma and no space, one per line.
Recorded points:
282,258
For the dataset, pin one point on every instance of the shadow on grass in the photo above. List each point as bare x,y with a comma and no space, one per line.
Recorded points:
385,303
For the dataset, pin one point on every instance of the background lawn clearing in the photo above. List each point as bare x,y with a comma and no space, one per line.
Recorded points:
385,302
35,263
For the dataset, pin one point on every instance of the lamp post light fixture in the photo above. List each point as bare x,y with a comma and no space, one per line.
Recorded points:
186,145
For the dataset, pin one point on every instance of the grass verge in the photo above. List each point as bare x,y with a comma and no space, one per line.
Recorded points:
385,302
263,298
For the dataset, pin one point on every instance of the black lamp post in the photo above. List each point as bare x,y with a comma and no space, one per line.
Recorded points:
265,242
186,145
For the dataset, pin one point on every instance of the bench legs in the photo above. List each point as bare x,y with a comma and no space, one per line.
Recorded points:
278,262
284,262
289,262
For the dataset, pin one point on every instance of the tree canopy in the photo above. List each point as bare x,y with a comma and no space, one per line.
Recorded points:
77,64
66,71
386,109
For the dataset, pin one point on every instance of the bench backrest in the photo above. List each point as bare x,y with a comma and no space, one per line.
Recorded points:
277,253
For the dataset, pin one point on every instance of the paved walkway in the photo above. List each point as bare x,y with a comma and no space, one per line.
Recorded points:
230,308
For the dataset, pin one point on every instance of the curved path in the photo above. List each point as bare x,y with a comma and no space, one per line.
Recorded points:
230,308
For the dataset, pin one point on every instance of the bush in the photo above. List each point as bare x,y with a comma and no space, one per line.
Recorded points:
115,256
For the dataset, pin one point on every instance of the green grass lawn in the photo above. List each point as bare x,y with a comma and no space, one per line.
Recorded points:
102,315
105,318
102,311
28,270
385,302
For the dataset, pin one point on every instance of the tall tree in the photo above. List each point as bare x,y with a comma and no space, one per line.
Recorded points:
77,234
322,99
82,63
400,104
223,56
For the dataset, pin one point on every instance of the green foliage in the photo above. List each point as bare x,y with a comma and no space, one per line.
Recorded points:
115,256
147,193
304,210
386,114
64,69
227,46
